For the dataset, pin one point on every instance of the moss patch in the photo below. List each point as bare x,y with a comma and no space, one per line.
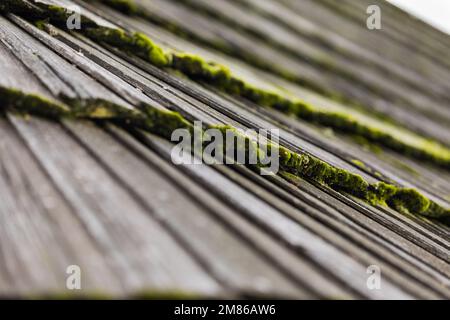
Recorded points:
18,101
98,295
220,76
134,43
163,122
359,163
409,200
126,6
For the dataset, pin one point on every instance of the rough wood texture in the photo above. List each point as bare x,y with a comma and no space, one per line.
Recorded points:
108,198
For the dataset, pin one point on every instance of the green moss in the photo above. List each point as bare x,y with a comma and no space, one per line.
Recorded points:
403,166
435,211
242,147
71,295
359,163
57,13
218,75
18,101
165,295
149,50
380,192
262,64
126,6
409,200
197,68
41,24
317,170
161,122
134,43
164,122
99,295
400,199
366,144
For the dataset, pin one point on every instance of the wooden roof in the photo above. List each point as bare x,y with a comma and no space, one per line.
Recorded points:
106,196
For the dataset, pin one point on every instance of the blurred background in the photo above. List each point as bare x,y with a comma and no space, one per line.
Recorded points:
434,12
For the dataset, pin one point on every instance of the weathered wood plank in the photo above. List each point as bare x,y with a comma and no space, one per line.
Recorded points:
237,112
40,235
73,188
385,47
331,39
58,75
256,47
327,61
287,231
226,256
135,246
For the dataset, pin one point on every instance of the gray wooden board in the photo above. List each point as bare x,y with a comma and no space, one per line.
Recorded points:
332,40
299,215
412,26
139,250
40,234
58,75
365,242
387,165
15,75
412,120
235,264
423,44
256,48
129,93
77,193
192,86
287,231
327,61
202,109
227,214
385,47
248,117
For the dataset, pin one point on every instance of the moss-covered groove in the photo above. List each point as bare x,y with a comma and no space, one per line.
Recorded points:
126,6
285,73
320,63
250,58
220,76
164,122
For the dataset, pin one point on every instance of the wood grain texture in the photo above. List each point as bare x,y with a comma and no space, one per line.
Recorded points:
137,248
109,199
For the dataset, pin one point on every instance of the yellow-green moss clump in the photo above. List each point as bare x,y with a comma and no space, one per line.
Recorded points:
198,69
398,198
409,200
16,100
163,122
125,6
134,43
380,193
220,76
